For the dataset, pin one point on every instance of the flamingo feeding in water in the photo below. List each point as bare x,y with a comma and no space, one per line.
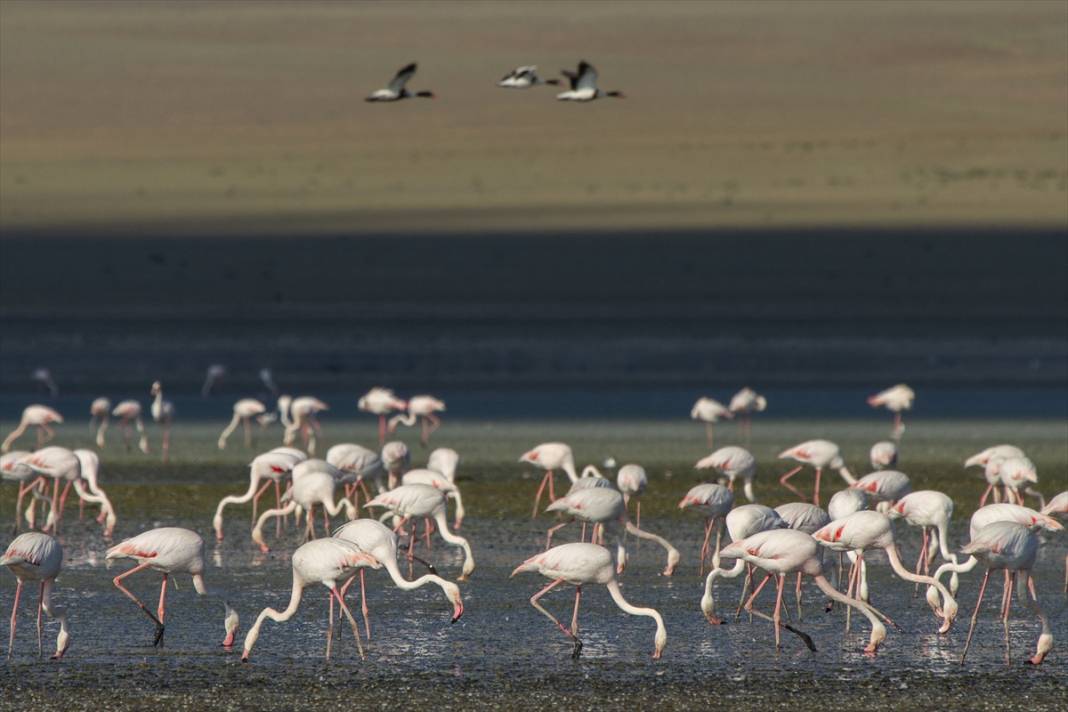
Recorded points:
130,410
896,399
819,454
380,402
732,462
714,501
268,467
34,556
929,510
883,455
244,411
169,550
579,564
310,489
37,416
550,457
327,561
709,412
445,460
423,409
301,415
631,481
743,404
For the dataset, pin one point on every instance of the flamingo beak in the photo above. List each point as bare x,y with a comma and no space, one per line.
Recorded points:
458,610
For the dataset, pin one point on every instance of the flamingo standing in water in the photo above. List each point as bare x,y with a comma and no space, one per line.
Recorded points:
99,411
709,412
395,458
732,462
714,501
989,459
631,481
34,556
13,467
37,416
896,399
379,541
380,402
127,411
807,518
422,408
884,487
883,455
579,564
301,415
872,530
445,460
169,550
438,481
244,411
1011,547
163,413
357,463
743,404
929,510
1020,473
91,491
419,501
550,457
784,551
819,454
329,562
308,490
268,467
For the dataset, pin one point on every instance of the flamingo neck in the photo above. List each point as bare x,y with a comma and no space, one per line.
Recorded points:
617,596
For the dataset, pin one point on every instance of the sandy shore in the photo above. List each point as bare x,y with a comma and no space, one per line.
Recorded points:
249,118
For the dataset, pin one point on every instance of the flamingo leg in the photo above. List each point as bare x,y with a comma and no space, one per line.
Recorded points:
975,616
776,617
920,559
381,430
1010,580
797,595
118,584
708,435
424,435
256,499
352,621
541,488
816,491
363,607
552,487
986,493
745,590
248,432
162,609
551,530
14,609
426,530
534,602
704,547
574,616
40,606
784,481
330,622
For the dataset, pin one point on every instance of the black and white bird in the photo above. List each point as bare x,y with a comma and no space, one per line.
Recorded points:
396,91
584,85
524,78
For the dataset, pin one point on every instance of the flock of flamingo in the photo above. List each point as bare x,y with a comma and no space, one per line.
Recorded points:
798,538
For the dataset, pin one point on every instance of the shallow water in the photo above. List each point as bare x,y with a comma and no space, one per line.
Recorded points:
503,651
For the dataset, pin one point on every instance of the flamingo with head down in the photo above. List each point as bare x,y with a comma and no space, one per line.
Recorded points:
34,416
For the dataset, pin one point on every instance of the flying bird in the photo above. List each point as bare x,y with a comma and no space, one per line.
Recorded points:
396,90
584,85
524,77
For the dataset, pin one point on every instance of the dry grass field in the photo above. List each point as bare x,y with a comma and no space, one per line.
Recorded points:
249,117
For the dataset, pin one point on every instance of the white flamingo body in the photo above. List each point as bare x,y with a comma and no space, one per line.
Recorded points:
579,564
1019,473
420,408
163,413
271,466
550,457
396,457
445,460
845,502
127,411
631,481
422,501
327,561
709,412
884,486
99,412
245,410
803,516
929,509
37,557
733,462
438,481
37,416
89,470
303,418
980,459
817,454
313,487
381,402
897,399
883,455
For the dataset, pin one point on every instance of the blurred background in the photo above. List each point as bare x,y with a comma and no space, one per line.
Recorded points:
817,200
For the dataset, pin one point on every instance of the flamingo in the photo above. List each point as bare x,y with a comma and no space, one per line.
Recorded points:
741,523
270,466
395,458
438,481
784,551
714,501
359,463
309,489
604,506
980,459
61,465
44,377
732,462
244,411
1012,547
631,481
884,486
379,541
579,564
1016,473
419,501
1058,507
169,550
422,408
396,90
445,460
928,509
883,455
992,474
303,418
524,77
841,505
99,411
126,411
215,373
38,416
896,399
709,412
13,467
743,404
34,556
163,413
818,454
381,402
327,561
584,85
872,530
549,457
803,517
89,469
